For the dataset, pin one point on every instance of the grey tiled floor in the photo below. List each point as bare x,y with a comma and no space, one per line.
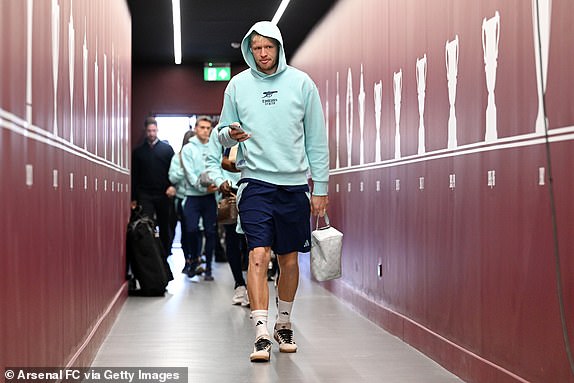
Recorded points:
196,326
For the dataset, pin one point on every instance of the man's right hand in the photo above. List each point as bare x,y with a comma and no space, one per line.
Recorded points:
237,133
134,204
224,188
211,188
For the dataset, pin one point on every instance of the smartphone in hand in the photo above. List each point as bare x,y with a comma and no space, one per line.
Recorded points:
236,128
239,132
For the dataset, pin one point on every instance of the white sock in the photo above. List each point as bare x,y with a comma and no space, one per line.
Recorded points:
284,311
260,322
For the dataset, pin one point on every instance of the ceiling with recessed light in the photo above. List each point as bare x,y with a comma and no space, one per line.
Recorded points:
210,27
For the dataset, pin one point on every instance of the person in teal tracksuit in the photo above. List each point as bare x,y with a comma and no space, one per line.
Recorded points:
200,198
274,111
178,178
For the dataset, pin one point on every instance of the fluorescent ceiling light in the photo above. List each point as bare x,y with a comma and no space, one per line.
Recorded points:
280,10
176,31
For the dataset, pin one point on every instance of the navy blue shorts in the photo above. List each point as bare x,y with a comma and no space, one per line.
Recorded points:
275,216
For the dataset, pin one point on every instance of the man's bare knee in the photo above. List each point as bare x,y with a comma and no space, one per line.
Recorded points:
259,257
288,262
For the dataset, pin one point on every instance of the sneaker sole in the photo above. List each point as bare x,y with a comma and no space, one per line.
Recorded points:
262,357
288,351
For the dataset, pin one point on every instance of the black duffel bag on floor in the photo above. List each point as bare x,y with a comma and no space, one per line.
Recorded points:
145,256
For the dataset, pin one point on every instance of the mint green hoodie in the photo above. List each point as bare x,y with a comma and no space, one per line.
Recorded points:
177,177
283,114
193,155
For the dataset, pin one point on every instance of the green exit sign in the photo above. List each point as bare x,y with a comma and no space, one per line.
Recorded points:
217,72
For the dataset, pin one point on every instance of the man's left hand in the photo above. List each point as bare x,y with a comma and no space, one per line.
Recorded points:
319,205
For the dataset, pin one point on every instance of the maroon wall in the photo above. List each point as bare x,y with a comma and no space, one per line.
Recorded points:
173,89
64,190
468,271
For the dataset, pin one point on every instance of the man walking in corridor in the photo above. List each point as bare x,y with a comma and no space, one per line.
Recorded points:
151,187
274,111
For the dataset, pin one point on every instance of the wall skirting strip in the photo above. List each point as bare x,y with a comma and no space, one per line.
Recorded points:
87,351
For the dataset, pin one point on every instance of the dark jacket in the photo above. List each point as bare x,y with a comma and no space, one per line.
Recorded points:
150,167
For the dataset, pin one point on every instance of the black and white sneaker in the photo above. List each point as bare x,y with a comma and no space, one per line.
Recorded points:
284,336
261,350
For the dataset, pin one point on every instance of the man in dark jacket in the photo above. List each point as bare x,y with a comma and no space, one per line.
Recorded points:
150,182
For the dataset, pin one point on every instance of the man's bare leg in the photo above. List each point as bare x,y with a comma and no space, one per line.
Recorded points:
286,290
288,276
258,290
257,286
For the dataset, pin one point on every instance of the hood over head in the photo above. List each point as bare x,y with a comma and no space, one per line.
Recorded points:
267,29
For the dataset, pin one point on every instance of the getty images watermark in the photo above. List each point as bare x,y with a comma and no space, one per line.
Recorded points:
96,375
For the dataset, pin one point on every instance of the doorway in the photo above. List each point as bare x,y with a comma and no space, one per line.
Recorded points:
173,128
